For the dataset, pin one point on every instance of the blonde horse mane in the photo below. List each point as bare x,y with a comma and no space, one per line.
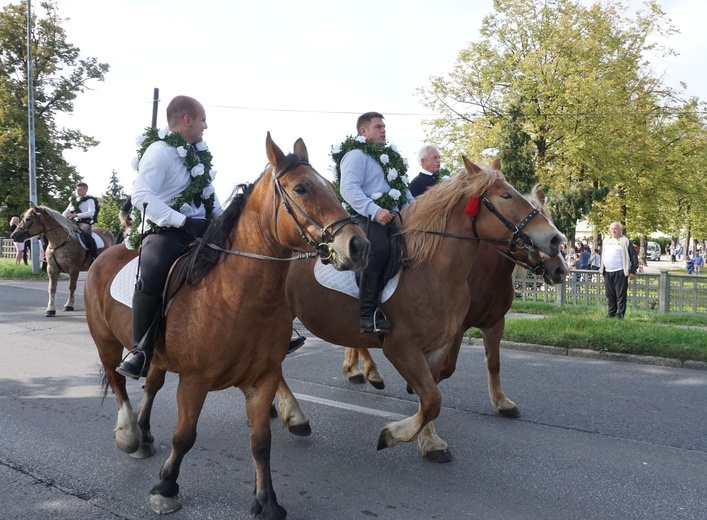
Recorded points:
60,219
431,211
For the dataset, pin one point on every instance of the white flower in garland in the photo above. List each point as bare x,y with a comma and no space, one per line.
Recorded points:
197,170
162,133
392,163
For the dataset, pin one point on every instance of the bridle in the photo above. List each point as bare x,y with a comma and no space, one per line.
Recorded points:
519,240
38,214
321,244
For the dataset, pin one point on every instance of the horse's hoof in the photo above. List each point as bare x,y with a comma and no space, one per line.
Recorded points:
385,440
49,314
440,456
146,449
511,413
378,385
301,430
358,379
273,411
164,505
67,308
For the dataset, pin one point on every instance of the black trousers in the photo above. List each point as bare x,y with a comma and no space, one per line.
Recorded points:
159,251
616,287
378,236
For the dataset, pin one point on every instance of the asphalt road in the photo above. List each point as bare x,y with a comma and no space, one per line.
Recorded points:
596,440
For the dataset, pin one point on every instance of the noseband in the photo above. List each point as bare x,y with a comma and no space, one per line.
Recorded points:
326,233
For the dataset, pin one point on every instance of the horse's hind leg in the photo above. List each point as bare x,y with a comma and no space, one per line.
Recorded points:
73,278
153,384
492,344
290,412
370,369
127,433
191,394
350,367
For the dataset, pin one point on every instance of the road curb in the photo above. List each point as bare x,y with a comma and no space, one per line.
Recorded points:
594,354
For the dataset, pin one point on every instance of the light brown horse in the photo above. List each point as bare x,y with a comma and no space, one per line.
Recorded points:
231,326
432,299
65,254
490,284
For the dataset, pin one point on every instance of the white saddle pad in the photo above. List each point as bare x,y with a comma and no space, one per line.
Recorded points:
123,284
99,241
345,281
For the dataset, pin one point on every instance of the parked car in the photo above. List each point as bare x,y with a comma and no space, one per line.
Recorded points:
653,251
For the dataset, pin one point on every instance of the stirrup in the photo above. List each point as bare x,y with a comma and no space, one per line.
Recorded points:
124,366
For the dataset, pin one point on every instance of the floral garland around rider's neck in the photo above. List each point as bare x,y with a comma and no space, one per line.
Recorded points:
394,169
75,203
198,164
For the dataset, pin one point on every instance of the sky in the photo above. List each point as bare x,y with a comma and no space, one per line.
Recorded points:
304,68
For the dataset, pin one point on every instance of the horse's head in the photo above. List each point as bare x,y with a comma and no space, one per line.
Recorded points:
500,212
314,216
30,225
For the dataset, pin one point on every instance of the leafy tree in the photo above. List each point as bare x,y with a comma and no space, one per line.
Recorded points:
115,191
111,201
565,87
60,74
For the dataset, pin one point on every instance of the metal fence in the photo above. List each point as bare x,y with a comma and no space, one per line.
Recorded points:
662,293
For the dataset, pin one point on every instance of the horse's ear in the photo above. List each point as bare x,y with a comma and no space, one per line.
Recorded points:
32,205
301,150
275,155
540,195
496,164
471,168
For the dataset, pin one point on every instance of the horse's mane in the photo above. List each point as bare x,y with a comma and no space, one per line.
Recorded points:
60,219
431,210
204,258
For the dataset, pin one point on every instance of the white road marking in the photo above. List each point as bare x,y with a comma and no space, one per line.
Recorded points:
351,407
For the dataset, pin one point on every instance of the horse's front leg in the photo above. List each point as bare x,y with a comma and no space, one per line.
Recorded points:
191,394
492,344
258,401
73,278
291,414
153,383
414,368
53,274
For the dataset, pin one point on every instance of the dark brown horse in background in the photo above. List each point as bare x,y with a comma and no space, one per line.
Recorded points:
491,291
65,254
442,242
231,326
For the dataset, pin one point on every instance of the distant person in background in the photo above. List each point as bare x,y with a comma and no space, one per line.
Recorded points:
595,260
689,264
19,246
125,221
619,263
584,257
430,164
83,210
698,262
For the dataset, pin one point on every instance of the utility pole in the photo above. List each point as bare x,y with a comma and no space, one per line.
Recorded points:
30,131
155,102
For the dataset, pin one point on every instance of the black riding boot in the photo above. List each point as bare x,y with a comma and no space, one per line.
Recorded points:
146,311
372,319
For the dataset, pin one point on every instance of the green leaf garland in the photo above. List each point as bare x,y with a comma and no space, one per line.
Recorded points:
76,202
394,170
199,166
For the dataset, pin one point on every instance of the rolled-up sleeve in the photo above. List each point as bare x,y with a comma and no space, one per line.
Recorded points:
151,178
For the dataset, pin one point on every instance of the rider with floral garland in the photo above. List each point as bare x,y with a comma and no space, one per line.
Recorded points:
374,195
173,190
83,209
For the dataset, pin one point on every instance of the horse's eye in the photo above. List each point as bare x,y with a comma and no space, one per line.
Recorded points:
300,189
506,195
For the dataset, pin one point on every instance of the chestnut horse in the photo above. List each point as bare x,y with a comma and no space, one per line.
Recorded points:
491,290
65,254
231,326
442,243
